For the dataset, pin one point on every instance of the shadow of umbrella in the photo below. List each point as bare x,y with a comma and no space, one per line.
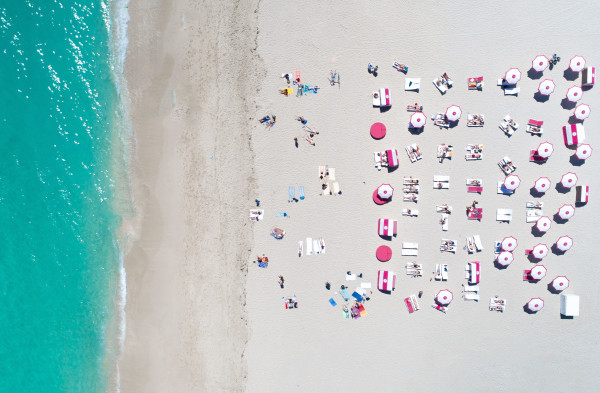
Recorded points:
566,104
570,75
539,97
533,74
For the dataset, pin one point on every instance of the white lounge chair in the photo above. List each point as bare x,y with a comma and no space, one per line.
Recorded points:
533,215
377,157
437,82
512,91
408,252
410,181
473,156
442,209
309,246
470,288
413,265
444,222
410,198
470,244
471,296
438,272
441,178
410,245
414,272
412,84
474,182
444,272
448,245
504,215
478,244
410,212
476,120
534,205
441,185
316,247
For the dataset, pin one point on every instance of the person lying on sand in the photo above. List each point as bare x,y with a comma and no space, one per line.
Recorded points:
265,119
302,120
309,140
286,77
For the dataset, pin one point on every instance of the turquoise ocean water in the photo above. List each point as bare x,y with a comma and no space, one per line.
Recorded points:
60,263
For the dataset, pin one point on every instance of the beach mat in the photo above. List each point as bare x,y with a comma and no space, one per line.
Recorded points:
333,303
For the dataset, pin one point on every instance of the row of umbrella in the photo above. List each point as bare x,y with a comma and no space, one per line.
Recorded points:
560,283
541,62
509,244
541,185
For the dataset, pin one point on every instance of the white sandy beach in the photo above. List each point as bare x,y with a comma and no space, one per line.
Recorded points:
202,317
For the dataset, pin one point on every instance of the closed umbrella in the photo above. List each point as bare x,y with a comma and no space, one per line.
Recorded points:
577,63
582,111
560,283
566,212
540,63
545,149
444,297
574,93
583,151
543,224
508,243
540,251
564,243
505,258
535,304
546,87
453,113
385,191
569,180
542,184
512,182
512,76
418,120
538,272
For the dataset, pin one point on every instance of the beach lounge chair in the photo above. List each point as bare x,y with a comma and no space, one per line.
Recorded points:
410,198
309,246
474,182
411,190
443,209
535,127
412,303
335,188
512,91
410,181
476,120
414,272
414,108
413,152
507,166
444,272
410,245
444,151
408,252
470,245
300,248
441,185
331,173
365,285
322,245
437,82
439,119
291,193
504,215
503,190
448,245
473,156
474,148
497,304
400,67
446,80
438,272
412,84
444,222
414,265
316,248
301,192
410,212
440,178
378,158
534,205
256,214
297,76
478,244
471,296
470,288
475,83
533,215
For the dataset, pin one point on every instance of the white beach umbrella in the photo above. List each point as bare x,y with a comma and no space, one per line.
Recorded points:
542,184
385,191
453,113
543,224
546,87
508,243
505,258
577,63
583,151
569,180
444,297
560,283
540,251
512,182
582,111
512,76
538,272
418,120
540,63
535,304
545,149
566,211
564,243
574,93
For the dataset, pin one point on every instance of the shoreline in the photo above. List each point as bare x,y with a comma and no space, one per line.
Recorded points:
189,234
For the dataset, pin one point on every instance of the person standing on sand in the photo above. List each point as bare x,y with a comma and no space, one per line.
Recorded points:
281,281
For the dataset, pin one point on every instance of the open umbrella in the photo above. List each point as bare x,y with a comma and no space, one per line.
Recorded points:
543,224
444,297
574,93
560,283
566,212
583,151
582,111
453,113
535,304
569,180
546,87
540,251
577,63
418,120
505,258
508,243
545,149
542,184
385,191
538,272
512,182
564,243
540,63
512,76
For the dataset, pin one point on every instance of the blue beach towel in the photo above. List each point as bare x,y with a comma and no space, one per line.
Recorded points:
357,296
345,295
301,191
262,264
281,214
291,193
333,303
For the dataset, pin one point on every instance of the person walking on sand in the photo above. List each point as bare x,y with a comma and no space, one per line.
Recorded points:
281,281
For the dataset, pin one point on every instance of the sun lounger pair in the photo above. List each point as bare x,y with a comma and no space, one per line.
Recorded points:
535,127
441,272
412,84
475,83
507,166
470,288
439,119
474,148
437,82
471,296
410,181
413,152
444,221
448,245
533,215
410,212
476,120
475,214
313,246
504,215
412,303
256,214
410,249
503,190
444,151
508,125
497,304
441,182
443,209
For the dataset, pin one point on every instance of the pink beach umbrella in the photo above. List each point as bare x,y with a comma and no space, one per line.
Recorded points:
566,212
582,112
545,149
546,87
560,283
418,120
542,184
535,304
569,180
512,182
512,76
453,113
538,272
574,93
583,151
385,191
564,243
444,297
505,258
543,224
540,63
508,243
540,251
577,63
